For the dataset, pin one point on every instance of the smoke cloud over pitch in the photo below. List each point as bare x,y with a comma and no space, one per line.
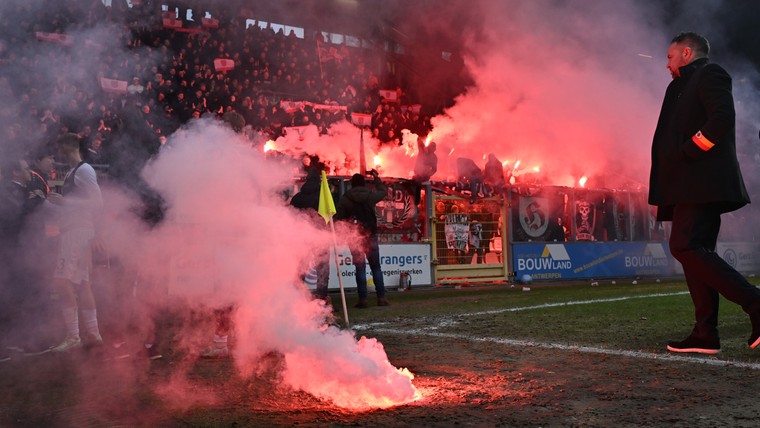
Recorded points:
232,240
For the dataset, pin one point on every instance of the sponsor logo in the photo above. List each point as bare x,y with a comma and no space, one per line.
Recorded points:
653,256
730,257
553,257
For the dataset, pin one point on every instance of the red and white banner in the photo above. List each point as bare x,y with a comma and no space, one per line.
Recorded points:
224,64
388,95
291,106
172,23
57,38
330,53
329,107
361,119
210,23
113,86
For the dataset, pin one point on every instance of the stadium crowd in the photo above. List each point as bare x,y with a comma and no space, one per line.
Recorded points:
172,77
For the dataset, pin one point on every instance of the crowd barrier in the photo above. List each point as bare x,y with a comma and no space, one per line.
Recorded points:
539,233
525,233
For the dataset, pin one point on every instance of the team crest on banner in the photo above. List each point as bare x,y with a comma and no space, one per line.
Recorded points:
397,208
585,220
534,216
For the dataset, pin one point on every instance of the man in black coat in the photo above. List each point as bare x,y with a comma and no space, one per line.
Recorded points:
695,177
358,205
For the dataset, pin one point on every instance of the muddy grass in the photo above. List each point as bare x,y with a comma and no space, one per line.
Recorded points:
463,383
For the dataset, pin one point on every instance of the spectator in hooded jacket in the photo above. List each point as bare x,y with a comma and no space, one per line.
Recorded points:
358,205
307,200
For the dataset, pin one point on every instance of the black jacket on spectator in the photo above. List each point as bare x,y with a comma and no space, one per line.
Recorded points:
358,204
308,196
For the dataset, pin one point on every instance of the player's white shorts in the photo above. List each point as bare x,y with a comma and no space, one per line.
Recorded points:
74,261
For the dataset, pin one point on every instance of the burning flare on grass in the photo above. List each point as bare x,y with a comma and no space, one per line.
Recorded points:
582,181
357,376
245,246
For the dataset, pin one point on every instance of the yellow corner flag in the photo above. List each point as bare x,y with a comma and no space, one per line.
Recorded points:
326,204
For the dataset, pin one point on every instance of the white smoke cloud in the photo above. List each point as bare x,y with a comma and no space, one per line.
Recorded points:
340,149
229,230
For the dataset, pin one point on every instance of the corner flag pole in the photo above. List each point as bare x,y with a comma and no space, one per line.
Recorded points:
362,158
361,120
326,210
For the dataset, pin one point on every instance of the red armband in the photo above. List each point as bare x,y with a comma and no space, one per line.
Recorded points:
702,142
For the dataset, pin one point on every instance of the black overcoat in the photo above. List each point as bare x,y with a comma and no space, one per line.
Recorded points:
683,171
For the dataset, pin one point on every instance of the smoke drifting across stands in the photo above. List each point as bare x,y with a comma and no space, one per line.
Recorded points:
575,89
571,89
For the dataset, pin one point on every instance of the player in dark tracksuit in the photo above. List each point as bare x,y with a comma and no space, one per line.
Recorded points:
695,177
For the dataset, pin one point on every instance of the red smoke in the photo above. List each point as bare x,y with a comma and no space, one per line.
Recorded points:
556,87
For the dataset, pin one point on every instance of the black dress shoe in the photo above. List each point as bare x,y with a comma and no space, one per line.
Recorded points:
695,345
754,338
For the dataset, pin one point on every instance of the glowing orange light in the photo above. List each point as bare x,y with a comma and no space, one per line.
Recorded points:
517,164
452,151
582,181
536,169
427,140
377,160
269,145
505,163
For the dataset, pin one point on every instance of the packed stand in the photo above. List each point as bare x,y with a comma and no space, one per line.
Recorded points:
172,78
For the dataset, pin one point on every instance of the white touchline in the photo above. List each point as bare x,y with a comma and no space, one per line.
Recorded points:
578,348
430,331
